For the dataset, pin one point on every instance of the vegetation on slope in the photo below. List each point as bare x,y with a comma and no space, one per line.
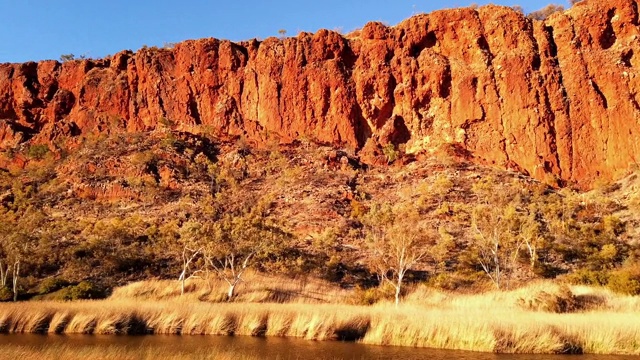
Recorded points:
167,204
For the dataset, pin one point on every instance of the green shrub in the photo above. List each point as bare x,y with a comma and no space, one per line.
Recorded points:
546,270
60,295
5,294
37,151
358,209
390,152
589,277
84,290
50,285
166,122
625,281
370,296
461,279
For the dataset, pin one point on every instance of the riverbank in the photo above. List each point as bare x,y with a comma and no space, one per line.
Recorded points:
544,318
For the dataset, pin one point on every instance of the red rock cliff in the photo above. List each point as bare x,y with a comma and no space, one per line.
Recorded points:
556,97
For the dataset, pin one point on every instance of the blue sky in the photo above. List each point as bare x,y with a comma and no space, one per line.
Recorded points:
45,29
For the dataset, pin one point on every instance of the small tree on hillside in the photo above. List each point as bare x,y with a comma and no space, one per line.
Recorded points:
183,241
4,276
530,234
4,273
16,243
16,275
191,249
240,239
397,243
488,244
500,233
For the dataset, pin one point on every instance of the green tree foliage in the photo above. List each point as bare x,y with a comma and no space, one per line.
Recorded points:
67,57
233,238
397,241
390,152
241,238
508,226
50,285
37,151
496,242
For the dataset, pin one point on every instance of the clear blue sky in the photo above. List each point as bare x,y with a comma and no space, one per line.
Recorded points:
45,29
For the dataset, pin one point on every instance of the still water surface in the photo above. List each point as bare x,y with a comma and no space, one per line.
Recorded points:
267,348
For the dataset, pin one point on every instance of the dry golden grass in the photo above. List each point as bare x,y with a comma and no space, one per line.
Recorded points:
255,288
605,299
541,296
541,318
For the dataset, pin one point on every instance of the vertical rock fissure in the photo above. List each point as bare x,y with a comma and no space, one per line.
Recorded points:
257,107
31,84
135,96
163,112
601,96
484,45
240,92
608,37
545,112
634,101
553,146
549,31
445,85
280,104
634,7
193,106
588,74
279,83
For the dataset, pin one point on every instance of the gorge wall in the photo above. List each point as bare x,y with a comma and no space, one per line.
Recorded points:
559,97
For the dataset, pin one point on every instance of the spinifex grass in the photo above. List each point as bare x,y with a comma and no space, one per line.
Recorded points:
543,318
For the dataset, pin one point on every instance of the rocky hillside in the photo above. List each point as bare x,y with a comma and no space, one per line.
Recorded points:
123,207
556,99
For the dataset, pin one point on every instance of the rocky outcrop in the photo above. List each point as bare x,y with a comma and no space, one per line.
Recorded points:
554,98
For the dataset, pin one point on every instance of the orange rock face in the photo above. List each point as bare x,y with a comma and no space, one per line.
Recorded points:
559,97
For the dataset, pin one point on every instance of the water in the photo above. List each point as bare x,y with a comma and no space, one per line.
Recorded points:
261,348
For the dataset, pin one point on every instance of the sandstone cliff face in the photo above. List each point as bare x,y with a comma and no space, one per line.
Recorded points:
559,97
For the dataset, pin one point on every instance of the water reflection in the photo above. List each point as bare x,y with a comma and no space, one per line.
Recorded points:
265,348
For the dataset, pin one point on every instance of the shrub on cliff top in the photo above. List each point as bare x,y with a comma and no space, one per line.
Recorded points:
545,12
